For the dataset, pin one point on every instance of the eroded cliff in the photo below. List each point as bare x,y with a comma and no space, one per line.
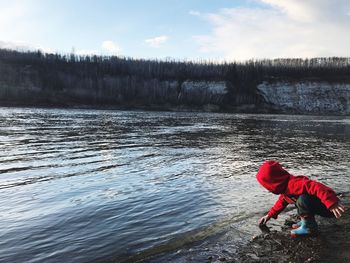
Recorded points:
311,97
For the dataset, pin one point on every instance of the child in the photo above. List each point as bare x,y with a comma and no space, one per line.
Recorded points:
311,198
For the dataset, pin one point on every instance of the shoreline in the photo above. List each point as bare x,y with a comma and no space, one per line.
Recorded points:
273,244
179,108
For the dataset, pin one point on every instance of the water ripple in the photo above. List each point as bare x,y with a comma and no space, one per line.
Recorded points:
83,185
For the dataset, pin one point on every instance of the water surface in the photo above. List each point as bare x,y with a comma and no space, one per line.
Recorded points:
89,185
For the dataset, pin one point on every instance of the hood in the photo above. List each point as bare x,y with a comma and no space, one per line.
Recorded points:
273,177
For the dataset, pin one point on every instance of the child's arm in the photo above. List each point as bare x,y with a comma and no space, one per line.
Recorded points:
274,211
278,207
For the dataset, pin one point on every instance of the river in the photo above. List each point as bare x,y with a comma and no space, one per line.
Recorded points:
104,185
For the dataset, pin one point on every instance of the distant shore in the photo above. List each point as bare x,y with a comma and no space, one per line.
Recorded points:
178,108
317,86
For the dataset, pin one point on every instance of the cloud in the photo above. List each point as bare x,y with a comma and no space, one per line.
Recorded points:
194,13
89,52
107,47
17,45
311,10
157,42
110,47
279,28
23,46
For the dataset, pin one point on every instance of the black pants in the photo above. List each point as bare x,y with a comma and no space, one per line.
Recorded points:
311,205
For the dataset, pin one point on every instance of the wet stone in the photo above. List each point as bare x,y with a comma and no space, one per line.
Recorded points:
253,256
255,238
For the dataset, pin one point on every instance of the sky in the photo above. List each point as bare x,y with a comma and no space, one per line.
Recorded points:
179,29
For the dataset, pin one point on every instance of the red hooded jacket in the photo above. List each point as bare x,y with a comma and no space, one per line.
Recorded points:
274,178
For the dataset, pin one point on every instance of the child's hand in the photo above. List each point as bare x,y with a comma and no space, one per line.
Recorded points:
337,209
264,219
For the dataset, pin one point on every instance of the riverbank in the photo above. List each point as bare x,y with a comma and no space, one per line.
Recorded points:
211,108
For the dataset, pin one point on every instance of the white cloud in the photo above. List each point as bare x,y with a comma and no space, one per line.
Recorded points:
157,42
17,45
83,52
24,46
106,47
281,28
194,13
111,47
311,10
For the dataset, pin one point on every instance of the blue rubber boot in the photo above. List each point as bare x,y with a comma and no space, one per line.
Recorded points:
308,226
297,225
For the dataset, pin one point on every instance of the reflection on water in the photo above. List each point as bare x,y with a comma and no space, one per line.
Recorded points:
81,185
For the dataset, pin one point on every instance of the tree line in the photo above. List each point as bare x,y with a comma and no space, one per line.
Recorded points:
243,74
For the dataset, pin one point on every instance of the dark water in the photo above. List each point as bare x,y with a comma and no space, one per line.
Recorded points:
83,185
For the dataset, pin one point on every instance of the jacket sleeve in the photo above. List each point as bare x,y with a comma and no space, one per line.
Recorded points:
277,207
327,196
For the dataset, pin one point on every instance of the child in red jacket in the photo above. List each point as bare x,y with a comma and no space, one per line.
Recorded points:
311,198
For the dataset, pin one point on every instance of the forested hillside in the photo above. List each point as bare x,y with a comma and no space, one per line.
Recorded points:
35,78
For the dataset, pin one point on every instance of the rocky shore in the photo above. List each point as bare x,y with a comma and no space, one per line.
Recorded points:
273,244
330,245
